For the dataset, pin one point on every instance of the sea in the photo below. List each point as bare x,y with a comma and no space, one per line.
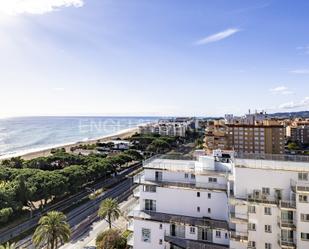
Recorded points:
22,135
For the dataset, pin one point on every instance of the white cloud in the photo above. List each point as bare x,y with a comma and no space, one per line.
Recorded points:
300,71
294,105
15,7
217,37
58,89
304,49
283,90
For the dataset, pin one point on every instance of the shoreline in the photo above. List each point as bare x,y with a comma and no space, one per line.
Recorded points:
43,152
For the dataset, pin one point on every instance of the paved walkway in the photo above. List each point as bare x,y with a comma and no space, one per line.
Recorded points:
87,240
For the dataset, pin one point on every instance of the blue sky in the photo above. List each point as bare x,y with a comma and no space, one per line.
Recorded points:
153,57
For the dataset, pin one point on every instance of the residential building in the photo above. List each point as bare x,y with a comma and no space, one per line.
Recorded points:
221,201
216,136
253,133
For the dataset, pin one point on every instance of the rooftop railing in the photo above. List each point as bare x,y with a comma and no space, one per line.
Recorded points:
272,157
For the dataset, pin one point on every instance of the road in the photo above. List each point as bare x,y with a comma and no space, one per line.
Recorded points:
31,223
83,216
86,239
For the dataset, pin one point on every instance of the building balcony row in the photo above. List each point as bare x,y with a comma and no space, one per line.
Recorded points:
188,243
179,219
140,179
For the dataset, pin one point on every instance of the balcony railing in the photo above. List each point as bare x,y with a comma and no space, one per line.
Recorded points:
238,218
287,205
179,219
300,186
286,223
241,237
140,179
286,242
251,197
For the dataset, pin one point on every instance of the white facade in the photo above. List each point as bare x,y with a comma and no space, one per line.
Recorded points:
212,203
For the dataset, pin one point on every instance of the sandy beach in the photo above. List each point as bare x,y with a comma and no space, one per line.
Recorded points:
46,152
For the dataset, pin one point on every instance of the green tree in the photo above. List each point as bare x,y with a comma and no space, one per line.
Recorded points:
8,246
293,146
111,239
52,229
109,209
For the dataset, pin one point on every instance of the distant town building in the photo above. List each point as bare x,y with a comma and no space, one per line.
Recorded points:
298,134
170,127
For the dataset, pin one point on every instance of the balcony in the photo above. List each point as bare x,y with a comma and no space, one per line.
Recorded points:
238,218
300,186
289,205
286,223
287,243
240,237
261,198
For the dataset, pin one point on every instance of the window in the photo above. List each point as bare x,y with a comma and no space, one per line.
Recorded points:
226,236
209,210
212,179
267,210
303,176
186,175
251,226
198,209
192,176
304,236
150,205
198,194
265,191
267,228
304,217
192,230
160,226
251,209
150,188
146,233
209,195
252,244
218,234
303,198
160,242
267,246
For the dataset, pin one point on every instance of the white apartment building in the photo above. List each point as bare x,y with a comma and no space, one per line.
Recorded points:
219,203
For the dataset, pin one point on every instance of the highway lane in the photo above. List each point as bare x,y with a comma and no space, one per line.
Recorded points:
31,223
83,216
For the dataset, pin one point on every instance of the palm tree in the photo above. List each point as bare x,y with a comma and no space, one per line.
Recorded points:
109,209
51,230
8,246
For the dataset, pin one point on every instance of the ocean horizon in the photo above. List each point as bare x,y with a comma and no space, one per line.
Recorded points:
22,135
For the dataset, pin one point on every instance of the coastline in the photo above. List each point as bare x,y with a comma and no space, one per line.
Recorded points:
47,151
